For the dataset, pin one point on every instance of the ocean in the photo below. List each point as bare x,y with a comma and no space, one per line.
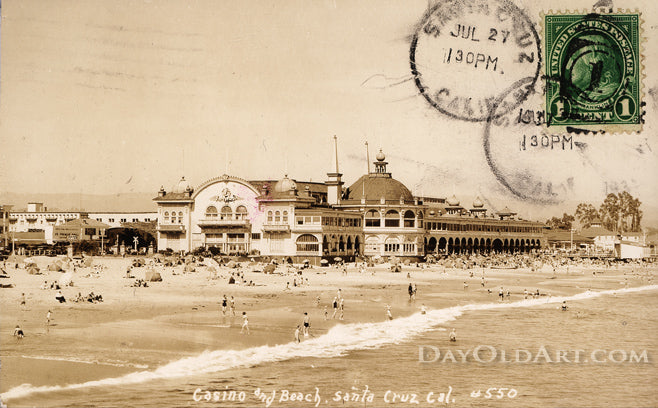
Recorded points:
599,353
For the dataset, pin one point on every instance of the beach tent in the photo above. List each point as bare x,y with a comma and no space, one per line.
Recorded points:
66,279
33,270
269,268
231,264
87,262
153,276
55,267
189,268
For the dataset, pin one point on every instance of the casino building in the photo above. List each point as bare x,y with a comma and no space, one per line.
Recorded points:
376,215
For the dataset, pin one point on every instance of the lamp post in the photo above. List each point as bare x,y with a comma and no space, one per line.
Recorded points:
102,233
572,230
135,240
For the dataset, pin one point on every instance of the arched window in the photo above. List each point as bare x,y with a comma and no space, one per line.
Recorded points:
392,219
226,213
241,213
373,219
269,216
307,243
392,245
285,217
166,216
277,217
420,219
409,219
180,217
211,212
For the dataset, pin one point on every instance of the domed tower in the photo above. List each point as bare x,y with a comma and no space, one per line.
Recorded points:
378,186
285,187
478,209
183,186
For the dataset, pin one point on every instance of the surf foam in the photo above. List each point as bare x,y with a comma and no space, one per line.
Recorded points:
338,341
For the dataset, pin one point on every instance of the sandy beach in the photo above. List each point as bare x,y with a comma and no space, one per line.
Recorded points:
142,328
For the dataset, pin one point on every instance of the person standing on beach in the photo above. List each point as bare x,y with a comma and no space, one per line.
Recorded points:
501,293
49,316
245,323
232,306
297,339
224,302
333,316
23,303
341,306
18,332
389,315
411,291
326,313
307,324
525,293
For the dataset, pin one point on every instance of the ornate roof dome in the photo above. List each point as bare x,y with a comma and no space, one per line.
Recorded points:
452,201
284,185
478,203
375,187
380,156
182,186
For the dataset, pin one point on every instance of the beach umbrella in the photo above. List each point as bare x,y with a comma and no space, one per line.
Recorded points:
324,262
306,261
231,264
55,267
338,259
153,276
66,279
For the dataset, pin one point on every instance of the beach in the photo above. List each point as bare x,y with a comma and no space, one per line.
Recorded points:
139,329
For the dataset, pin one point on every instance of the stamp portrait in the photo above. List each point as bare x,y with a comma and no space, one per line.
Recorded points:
593,71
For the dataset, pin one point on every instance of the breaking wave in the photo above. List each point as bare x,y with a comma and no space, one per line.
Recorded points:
338,341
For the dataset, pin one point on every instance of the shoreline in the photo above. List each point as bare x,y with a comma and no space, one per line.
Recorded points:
181,316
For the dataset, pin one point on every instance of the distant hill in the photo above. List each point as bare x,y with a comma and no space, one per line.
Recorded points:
83,202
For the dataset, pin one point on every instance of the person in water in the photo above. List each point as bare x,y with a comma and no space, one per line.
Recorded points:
564,305
245,323
453,335
307,324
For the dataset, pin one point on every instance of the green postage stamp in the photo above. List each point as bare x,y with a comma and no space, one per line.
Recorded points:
593,72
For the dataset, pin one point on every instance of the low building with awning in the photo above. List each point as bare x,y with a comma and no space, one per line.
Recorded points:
80,229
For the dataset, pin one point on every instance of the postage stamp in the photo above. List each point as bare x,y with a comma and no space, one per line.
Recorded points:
593,71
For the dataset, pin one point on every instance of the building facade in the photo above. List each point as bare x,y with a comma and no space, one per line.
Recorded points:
375,216
38,219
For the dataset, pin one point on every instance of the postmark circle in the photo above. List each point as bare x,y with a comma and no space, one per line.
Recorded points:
542,167
465,54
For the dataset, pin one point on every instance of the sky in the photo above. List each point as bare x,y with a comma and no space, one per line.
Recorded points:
120,96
